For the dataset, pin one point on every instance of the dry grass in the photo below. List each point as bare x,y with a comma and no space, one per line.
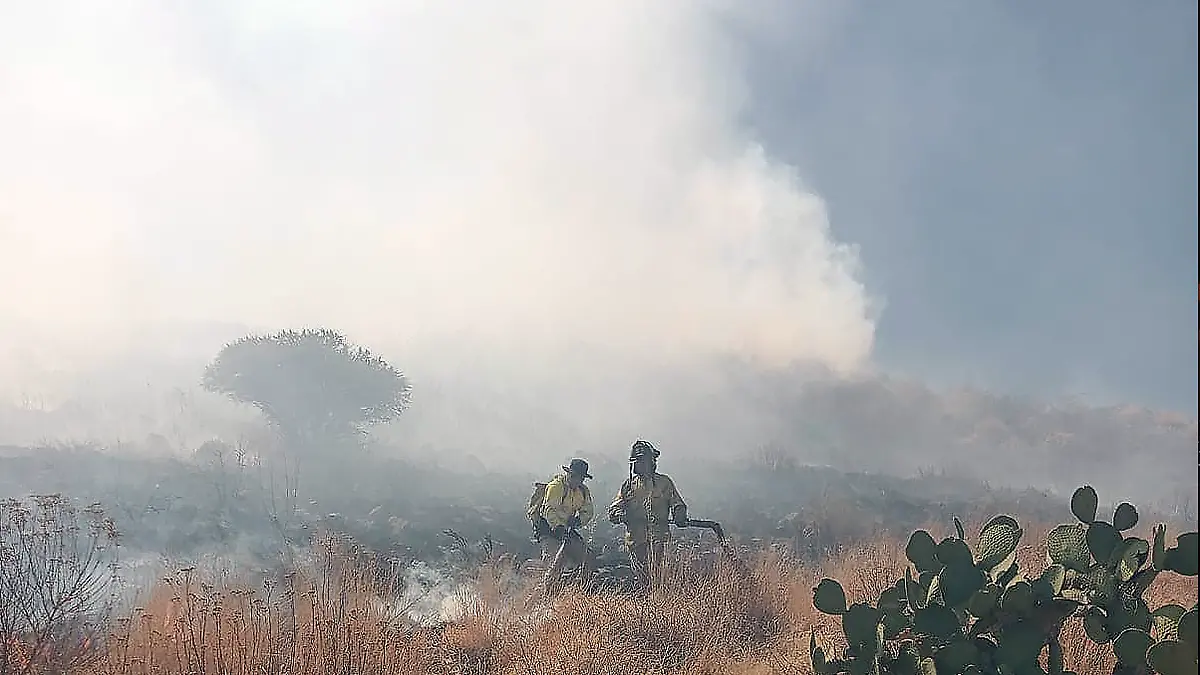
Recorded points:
728,616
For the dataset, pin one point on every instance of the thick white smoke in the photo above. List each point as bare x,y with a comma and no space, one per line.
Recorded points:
528,174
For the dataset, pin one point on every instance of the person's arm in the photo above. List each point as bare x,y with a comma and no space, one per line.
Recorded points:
587,510
678,506
616,510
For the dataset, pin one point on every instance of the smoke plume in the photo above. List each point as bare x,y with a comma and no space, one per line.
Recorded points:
520,175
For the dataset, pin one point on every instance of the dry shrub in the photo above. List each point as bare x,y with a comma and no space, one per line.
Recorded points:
748,615
699,615
57,590
332,621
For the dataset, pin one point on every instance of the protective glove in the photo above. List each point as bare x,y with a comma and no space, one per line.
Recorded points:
679,515
616,515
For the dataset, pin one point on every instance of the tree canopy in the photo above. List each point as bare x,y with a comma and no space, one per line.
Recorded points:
312,384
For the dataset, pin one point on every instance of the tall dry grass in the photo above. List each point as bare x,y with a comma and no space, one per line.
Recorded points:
730,615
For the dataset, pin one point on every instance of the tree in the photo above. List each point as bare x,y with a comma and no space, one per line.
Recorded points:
313,385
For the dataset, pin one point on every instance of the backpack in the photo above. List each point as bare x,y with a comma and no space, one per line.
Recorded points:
541,528
535,501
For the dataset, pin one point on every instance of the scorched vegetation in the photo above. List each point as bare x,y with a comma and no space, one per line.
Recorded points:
310,541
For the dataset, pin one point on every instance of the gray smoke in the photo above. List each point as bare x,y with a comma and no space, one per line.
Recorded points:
523,176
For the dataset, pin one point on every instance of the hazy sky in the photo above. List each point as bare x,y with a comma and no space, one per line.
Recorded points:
1021,177
1010,186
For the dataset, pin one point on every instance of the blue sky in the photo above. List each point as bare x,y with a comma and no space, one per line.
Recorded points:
1020,178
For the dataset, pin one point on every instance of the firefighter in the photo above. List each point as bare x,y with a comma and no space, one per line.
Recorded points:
646,504
565,506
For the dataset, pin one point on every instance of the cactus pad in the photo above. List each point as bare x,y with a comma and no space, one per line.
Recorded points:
1131,645
1067,546
860,623
829,597
1017,598
954,552
1187,628
1133,554
998,540
1010,573
938,621
1052,579
1125,517
1182,558
1171,657
895,623
1101,582
958,582
1095,626
1135,614
914,593
1019,647
891,598
1166,621
1084,503
1141,581
956,656
1102,540
922,551
984,601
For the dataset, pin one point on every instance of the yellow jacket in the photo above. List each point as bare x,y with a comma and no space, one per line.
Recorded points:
648,504
560,503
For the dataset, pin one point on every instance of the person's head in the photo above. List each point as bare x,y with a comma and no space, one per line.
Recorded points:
643,458
577,471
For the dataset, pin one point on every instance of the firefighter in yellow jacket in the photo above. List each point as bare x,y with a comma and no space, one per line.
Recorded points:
565,506
646,504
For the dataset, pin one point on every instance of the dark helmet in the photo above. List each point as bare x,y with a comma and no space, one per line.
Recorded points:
578,467
642,449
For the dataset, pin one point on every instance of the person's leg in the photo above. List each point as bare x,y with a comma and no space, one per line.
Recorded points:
587,560
583,559
556,559
655,555
638,560
652,563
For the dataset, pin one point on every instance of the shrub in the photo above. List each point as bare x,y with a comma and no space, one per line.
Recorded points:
960,611
57,565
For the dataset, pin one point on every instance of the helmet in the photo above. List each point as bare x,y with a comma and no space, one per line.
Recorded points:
642,449
579,467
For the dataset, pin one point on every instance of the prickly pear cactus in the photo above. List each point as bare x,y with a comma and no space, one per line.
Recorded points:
960,611
1109,574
